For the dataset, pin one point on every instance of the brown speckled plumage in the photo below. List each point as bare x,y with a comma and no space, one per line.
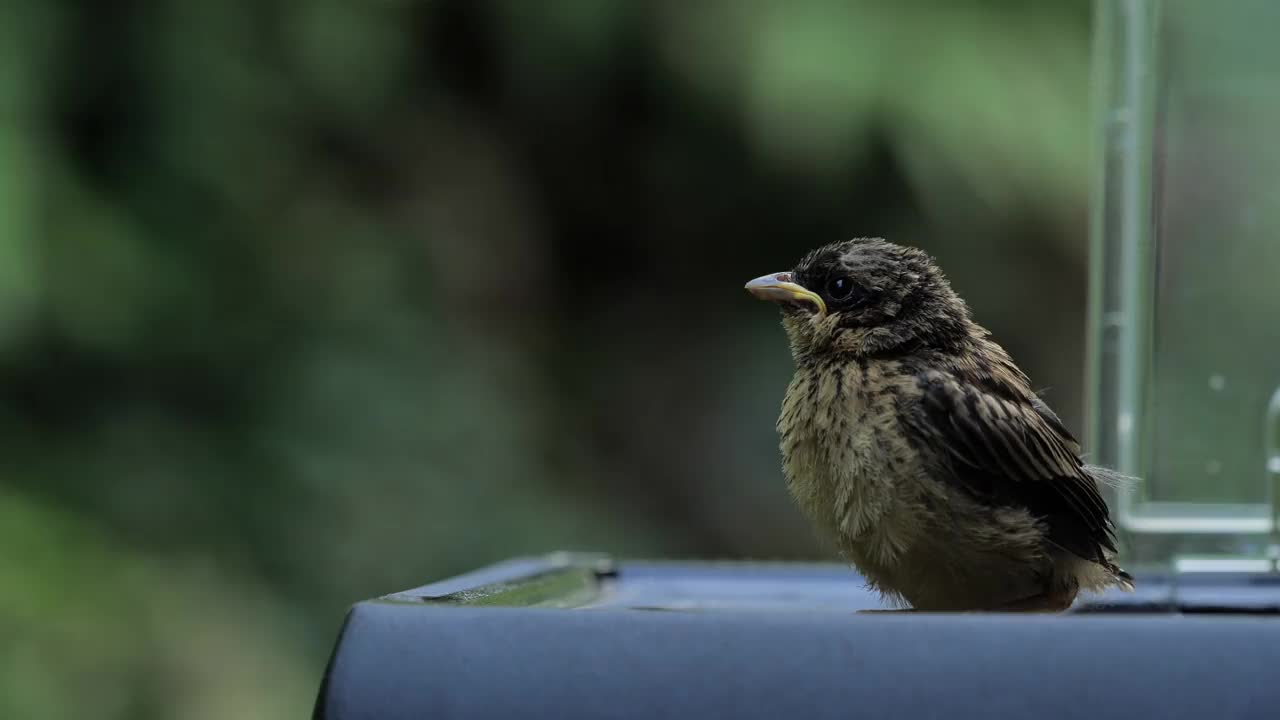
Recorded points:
912,439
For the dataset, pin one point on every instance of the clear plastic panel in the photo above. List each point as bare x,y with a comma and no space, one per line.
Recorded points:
1185,317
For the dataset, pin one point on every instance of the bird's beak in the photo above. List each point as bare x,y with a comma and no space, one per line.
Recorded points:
779,288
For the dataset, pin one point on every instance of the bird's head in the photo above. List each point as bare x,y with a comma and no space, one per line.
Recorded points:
864,297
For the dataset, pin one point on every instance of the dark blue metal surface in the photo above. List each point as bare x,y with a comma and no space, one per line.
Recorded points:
782,641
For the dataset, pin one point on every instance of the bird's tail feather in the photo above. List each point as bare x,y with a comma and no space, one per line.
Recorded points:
1120,482
1123,580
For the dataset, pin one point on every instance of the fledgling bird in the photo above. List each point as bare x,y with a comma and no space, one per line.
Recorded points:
914,440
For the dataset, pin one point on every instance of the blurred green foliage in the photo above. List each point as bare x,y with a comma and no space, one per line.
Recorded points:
305,301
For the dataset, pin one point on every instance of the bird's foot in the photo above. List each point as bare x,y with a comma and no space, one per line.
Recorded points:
1049,602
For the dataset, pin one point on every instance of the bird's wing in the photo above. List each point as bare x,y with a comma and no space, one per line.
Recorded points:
1006,447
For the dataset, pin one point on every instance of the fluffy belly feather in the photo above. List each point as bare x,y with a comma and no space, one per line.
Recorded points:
850,470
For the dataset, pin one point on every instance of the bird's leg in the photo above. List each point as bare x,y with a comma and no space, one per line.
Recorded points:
1045,602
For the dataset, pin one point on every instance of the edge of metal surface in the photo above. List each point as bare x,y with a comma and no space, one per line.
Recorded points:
493,579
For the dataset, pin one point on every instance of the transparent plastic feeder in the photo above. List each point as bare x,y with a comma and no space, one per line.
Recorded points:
1184,371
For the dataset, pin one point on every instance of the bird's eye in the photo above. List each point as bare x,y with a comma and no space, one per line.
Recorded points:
839,288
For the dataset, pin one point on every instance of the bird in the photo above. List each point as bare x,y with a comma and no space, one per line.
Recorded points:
912,439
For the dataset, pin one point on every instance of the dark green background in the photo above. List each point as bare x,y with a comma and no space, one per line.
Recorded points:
303,302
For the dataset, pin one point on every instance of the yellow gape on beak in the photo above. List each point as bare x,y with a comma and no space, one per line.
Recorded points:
779,288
